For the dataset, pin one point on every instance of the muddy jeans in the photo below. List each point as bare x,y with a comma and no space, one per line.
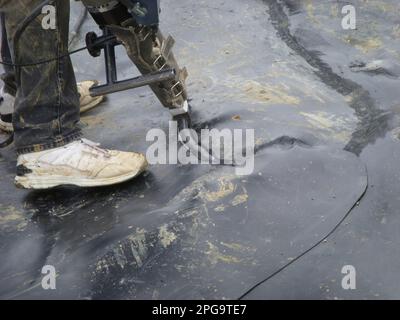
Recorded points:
46,110
8,76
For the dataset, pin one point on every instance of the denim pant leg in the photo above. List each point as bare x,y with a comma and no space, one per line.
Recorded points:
8,76
47,101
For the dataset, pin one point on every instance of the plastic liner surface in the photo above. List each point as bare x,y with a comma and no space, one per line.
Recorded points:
324,192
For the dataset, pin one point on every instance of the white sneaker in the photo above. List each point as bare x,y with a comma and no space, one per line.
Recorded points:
7,106
81,163
87,102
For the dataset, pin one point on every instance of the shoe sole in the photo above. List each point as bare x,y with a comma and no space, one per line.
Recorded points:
30,181
92,104
6,127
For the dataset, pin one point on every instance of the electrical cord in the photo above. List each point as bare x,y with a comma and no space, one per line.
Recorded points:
309,249
21,28
43,61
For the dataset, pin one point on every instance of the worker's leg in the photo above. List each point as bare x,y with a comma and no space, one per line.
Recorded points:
10,87
8,76
47,111
47,102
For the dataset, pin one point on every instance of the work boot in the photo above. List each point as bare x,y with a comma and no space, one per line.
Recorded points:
81,163
87,102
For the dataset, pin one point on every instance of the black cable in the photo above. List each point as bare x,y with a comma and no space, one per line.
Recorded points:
308,250
29,19
22,26
44,61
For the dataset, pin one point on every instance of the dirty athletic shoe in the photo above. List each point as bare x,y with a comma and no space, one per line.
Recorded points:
87,102
81,163
7,106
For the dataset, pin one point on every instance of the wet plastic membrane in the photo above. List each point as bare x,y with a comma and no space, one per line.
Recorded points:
187,234
325,165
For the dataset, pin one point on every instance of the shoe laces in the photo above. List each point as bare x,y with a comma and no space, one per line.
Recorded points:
95,146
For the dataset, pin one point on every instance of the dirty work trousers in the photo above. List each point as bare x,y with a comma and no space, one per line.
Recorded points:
46,111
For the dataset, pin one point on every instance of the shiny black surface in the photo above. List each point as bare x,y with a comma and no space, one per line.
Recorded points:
324,193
